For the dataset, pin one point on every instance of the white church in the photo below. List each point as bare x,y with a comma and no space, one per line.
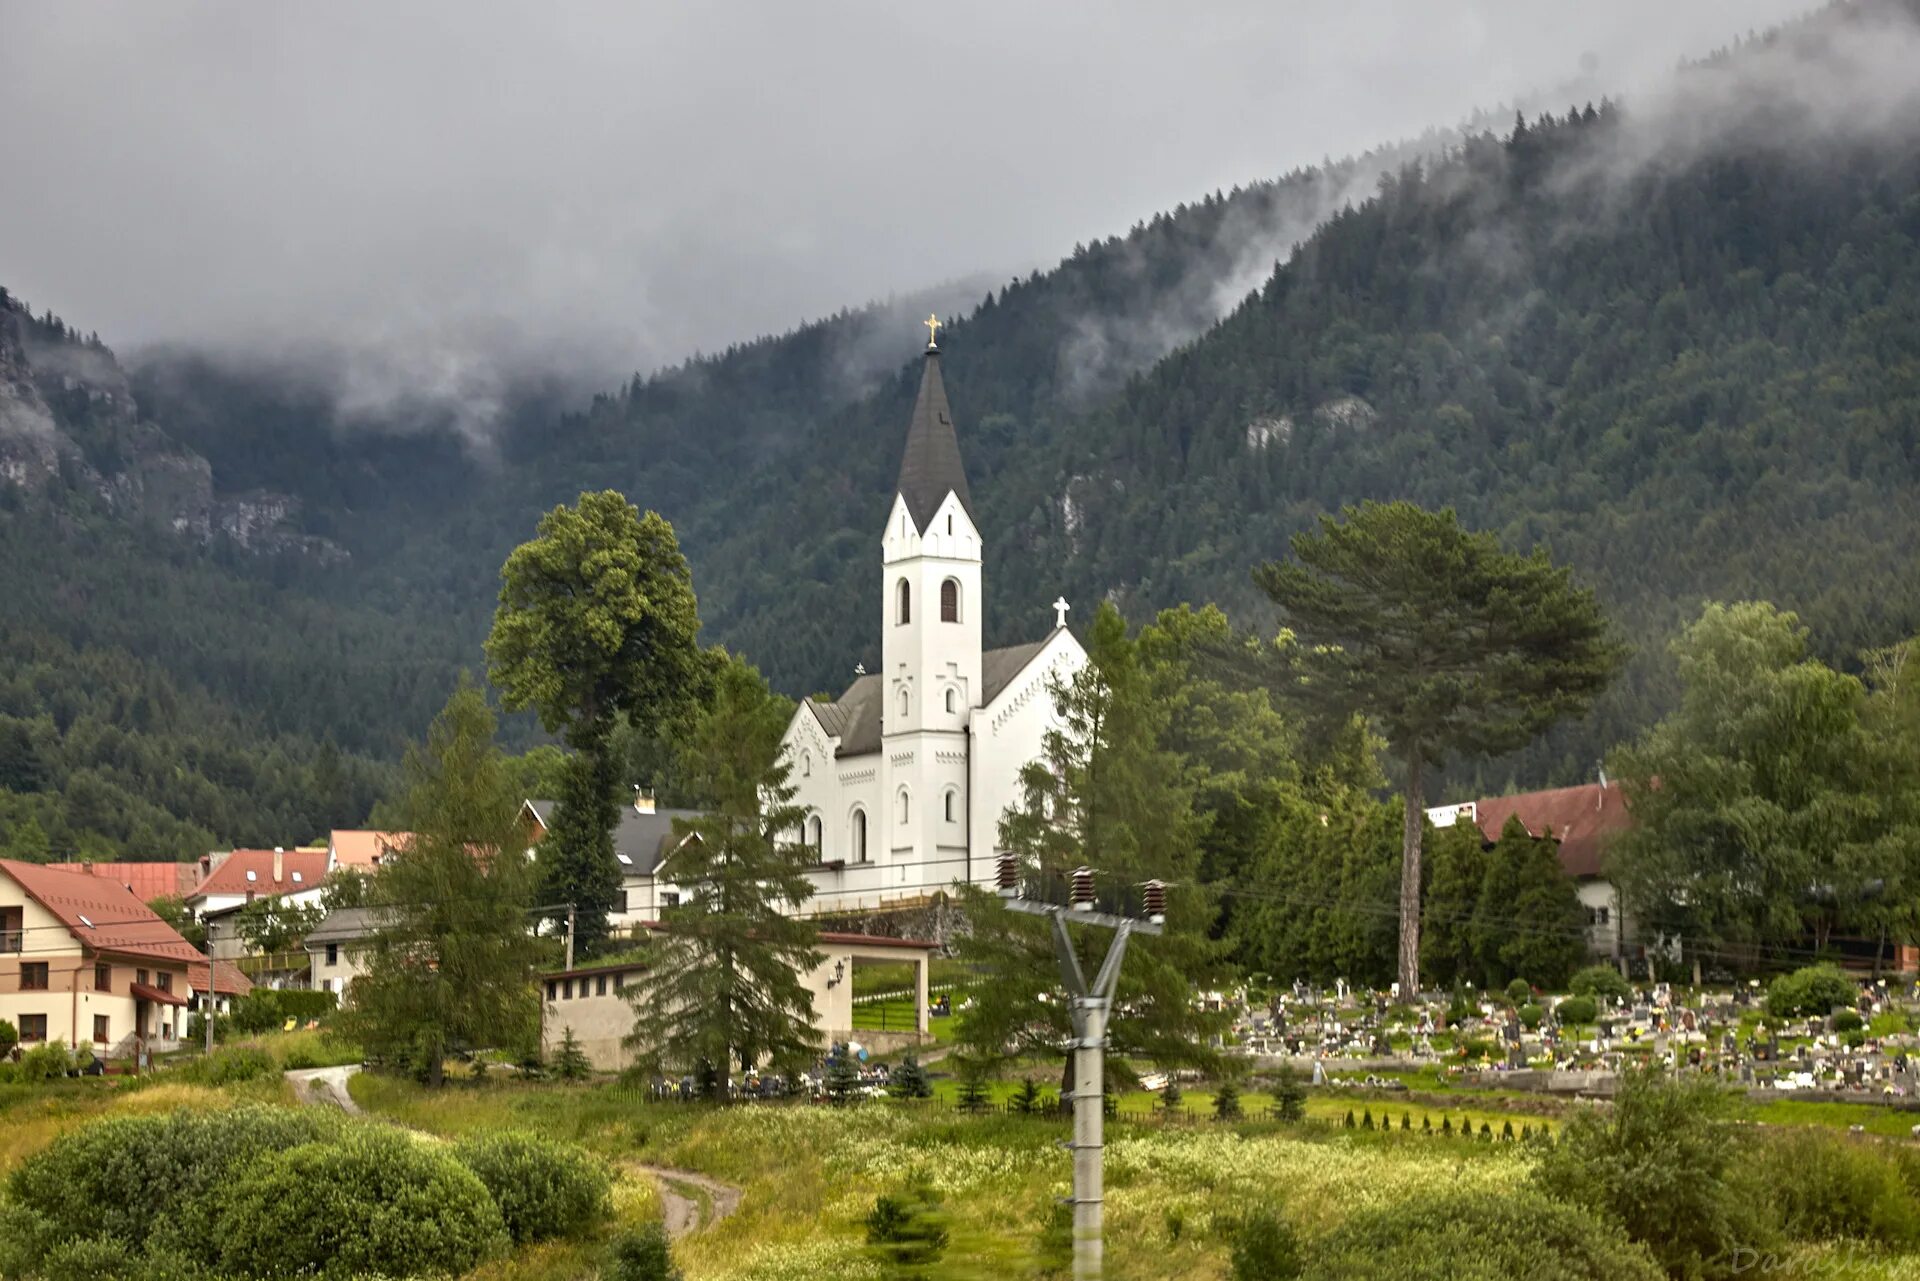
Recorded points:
905,776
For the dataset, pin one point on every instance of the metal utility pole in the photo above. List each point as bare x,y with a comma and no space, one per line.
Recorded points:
206,1006
569,936
1091,1008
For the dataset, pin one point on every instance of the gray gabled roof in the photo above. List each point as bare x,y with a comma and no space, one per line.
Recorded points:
930,468
855,717
343,925
641,842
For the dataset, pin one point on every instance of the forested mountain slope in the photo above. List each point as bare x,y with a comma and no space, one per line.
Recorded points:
1675,341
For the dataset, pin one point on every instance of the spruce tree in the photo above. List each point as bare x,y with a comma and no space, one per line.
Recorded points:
1226,1102
570,1062
1289,1096
450,964
724,985
909,1080
1451,645
843,1078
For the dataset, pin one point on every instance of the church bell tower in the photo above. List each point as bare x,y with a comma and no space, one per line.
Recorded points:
930,637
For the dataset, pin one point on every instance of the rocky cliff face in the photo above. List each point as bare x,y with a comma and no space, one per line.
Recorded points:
69,424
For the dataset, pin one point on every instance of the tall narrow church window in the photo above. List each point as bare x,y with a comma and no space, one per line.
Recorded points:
952,804
949,522
903,700
953,700
903,806
903,611
950,601
859,836
813,833
806,764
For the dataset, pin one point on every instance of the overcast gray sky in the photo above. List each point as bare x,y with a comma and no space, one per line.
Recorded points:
620,183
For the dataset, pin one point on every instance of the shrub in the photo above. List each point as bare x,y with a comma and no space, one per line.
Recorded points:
1825,1188
907,1230
1479,1236
126,1177
1576,1010
1816,989
1848,1021
1289,1096
267,1009
1265,1249
231,1065
1519,992
371,1202
1656,1163
1531,1016
9,1037
543,1188
104,1259
46,1062
1600,982
642,1254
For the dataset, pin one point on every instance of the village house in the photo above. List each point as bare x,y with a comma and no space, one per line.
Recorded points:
150,882
362,850
644,844
334,949
236,879
591,1001
1581,821
83,960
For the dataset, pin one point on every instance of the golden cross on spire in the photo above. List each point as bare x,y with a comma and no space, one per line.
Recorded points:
932,322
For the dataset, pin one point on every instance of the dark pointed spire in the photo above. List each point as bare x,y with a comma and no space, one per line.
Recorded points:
930,468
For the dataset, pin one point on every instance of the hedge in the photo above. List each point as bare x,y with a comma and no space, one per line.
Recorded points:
1479,1236
544,1189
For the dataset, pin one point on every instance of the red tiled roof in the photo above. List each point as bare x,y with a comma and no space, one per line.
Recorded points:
158,996
1581,818
365,849
299,870
102,914
227,978
148,881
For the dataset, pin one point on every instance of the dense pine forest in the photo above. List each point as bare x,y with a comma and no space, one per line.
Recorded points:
1676,342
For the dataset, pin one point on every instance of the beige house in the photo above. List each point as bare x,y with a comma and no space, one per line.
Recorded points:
334,957
83,960
592,1001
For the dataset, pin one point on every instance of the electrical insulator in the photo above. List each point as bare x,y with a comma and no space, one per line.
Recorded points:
1156,902
1083,889
1007,878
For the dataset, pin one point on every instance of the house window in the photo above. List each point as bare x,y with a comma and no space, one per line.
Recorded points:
859,836
813,833
953,700
903,603
33,1027
566,990
950,601
600,986
619,982
901,803
33,976
100,1029
670,899
333,954
102,977
951,803
140,976
553,989
166,981
1598,915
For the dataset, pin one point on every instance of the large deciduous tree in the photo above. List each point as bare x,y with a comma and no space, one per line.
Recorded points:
1108,794
1768,804
597,620
723,985
450,964
1450,644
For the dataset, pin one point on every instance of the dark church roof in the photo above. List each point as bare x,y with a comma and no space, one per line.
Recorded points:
930,468
854,717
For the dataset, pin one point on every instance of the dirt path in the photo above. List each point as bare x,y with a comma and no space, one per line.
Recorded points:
325,1085
692,1202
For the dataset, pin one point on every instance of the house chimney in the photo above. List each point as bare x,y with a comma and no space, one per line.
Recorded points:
642,799
279,863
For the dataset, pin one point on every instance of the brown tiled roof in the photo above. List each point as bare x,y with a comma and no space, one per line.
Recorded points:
299,870
364,849
227,978
1581,818
103,915
148,881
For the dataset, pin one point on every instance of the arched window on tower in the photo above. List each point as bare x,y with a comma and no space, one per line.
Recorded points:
806,764
903,608
905,701
953,700
950,601
813,833
951,804
859,826
902,804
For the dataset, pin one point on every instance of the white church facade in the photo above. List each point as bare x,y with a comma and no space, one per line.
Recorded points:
905,776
